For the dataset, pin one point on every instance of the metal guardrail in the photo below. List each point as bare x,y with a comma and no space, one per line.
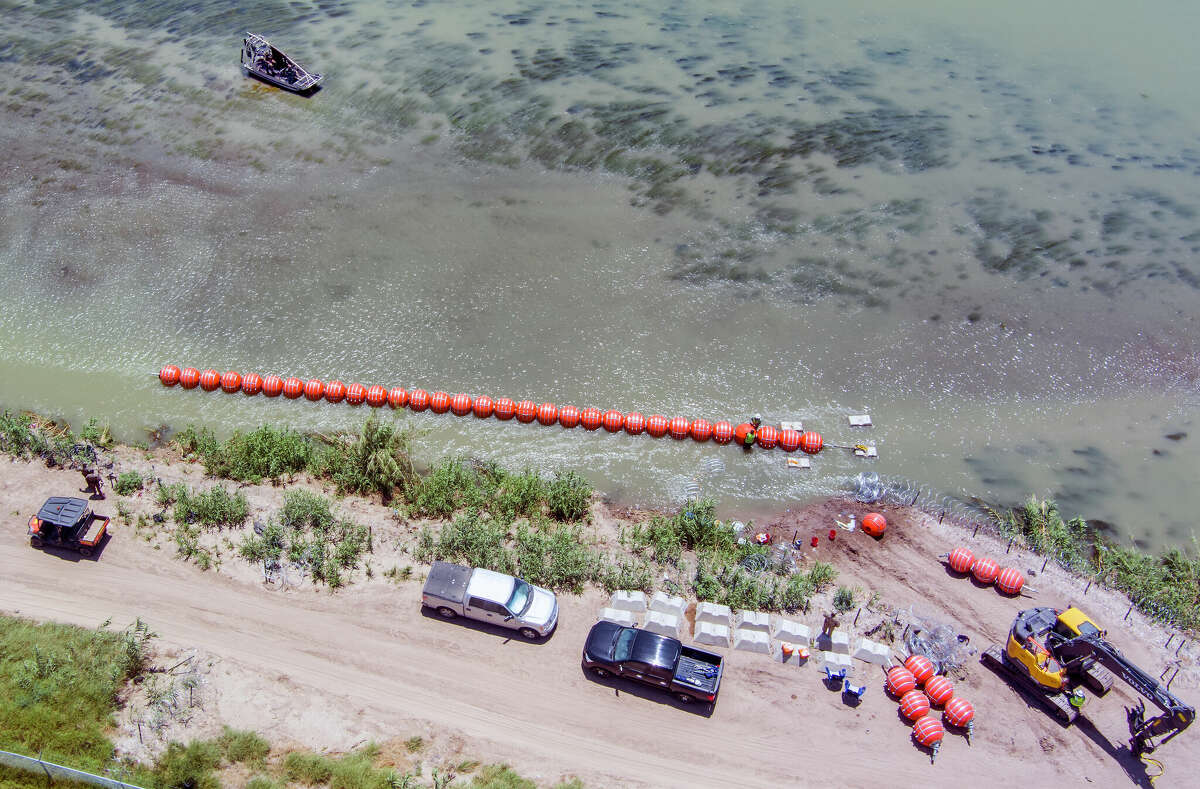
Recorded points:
53,771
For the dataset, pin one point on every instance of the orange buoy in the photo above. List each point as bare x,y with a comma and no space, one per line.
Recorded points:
210,380
741,432
252,384
811,442
189,377
768,437
635,423
357,393
376,396
921,667
678,427
701,430
439,402
914,704
292,388
418,400
231,381
591,418
789,440
960,714
613,420
314,389
272,385
169,375
504,409
722,432
547,413
656,426
985,570
960,560
483,406
460,404
939,689
335,391
928,732
568,416
1010,581
899,680
526,411
874,524
397,397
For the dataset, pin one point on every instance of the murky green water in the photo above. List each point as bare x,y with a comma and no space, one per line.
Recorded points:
978,225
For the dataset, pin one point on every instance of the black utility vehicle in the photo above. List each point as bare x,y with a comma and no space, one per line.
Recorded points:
67,523
688,673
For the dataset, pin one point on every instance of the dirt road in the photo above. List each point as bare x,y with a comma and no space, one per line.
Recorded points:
330,670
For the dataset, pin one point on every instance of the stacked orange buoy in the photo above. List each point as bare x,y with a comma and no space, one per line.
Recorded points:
961,715
928,732
902,681
899,681
1008,580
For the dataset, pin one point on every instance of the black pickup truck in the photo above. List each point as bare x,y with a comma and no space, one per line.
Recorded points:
688,673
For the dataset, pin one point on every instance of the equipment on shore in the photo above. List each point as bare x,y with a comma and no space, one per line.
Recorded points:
66,522
1051,654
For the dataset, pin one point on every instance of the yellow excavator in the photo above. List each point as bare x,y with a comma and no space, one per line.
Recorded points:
1053,654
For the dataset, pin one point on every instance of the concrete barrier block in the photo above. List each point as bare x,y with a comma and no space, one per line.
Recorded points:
836,660
794,632
714,613
628,601
663,624
754,620
872,652
712,634
752,641
840,642
617,616
666,604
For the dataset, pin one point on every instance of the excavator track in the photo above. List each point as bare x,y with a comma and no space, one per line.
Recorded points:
1056,703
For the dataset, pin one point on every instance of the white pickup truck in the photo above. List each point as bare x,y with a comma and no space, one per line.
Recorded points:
453,590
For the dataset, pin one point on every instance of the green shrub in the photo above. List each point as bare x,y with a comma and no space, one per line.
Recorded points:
243,746
94,433
378,461
189,766
128,483
266,453
469,539
263,782
201,443
450,486
844,599
303,509
307,768
16,433
167,495
569,496
268,545
520,495
557,559
500,776
214,508
623,573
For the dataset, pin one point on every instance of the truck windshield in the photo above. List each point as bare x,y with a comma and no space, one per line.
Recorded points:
521,597
623,649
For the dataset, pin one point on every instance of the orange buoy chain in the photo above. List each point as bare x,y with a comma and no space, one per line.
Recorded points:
483,407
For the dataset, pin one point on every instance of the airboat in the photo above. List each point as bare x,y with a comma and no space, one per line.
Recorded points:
263,60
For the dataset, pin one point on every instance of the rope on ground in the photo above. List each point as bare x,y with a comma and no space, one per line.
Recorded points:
1149,762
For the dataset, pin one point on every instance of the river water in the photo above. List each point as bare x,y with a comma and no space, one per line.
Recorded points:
975,222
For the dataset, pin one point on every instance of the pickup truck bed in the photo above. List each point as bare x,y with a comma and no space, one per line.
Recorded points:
93,531
448,581
699,669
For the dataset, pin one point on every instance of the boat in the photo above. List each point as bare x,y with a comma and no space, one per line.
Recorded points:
263,60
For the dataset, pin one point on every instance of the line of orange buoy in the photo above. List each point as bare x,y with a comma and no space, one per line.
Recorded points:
503,408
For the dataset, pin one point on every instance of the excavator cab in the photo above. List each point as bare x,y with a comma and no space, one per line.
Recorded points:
1027,647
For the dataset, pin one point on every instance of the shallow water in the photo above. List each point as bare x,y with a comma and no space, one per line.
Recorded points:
978,225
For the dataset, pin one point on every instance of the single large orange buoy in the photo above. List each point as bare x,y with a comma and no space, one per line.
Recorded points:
335,391
315,389
1010,581
231,381
591,418
293,387
899,680
789,440
960,714
418,400
914,704
504,409
768,437
985,570
921,667
678,427
439,402
656,426
613,420
568,416
874,524
189,377
811,442
252,384
397,397
357,393
928,732
526,411
376,396
635,423
960,560
722,432
169,375
210,380
701,430
547,413
272,386
483,406
939,689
